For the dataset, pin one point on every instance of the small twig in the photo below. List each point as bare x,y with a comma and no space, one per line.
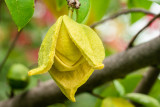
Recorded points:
147,81
10,50
74,3
135,10
148,24
12,93
77,14
96,95
70,12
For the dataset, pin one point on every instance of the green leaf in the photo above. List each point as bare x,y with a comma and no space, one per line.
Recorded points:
99,8
60,4
145,4
156,1
145,100
130,82
21,11
119,87
91,10
116,102
117,6
83,12
107,91
155,90
81,101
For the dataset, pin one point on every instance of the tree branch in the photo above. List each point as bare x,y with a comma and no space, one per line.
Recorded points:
10,50
148,24
148,80
150,77
134,10
116,66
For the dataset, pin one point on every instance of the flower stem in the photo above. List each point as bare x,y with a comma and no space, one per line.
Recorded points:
70,13
76,15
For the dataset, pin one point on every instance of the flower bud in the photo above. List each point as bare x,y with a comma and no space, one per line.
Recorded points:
70,52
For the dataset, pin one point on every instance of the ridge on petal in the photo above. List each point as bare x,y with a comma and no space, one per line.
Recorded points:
61,66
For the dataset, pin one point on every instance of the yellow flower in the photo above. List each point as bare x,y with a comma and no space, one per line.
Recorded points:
70,52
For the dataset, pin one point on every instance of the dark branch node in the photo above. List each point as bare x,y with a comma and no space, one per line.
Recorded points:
74,3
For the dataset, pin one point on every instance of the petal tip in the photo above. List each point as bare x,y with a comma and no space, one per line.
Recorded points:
30,73
101,66
73,99
65,16
70,94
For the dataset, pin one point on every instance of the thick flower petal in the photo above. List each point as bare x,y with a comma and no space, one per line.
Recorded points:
87,41
47,49
71,80
96,46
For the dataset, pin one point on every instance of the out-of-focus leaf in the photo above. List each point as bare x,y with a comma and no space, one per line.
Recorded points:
145,4
155,90
119,87
21,11
83,11
113,3
4,90
99,8
108,91
143,99
60,4
57,105
51,4
156,1
82,100
130,82
116,102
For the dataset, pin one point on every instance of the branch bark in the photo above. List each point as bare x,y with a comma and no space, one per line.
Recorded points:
148,80
134,10
116,66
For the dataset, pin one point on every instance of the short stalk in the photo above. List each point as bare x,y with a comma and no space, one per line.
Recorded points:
70,13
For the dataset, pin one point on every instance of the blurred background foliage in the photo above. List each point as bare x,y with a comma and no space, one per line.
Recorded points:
115,35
